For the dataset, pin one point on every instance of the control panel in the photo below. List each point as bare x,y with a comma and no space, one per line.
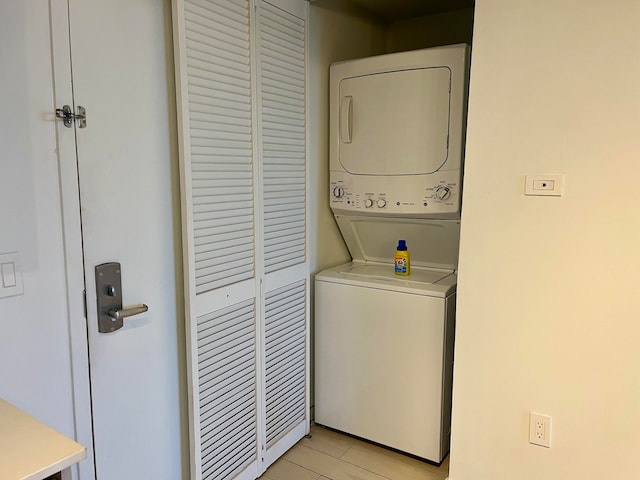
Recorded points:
421,196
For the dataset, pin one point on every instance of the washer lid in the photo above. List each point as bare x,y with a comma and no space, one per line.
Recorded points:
431,243
385,272
422,281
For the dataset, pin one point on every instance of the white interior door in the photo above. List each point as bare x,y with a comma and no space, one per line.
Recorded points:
126,164
41,306
123,169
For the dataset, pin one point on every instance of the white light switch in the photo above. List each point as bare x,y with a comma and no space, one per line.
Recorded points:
10,275
544,185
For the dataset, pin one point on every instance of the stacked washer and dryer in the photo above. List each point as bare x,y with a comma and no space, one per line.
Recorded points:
384,343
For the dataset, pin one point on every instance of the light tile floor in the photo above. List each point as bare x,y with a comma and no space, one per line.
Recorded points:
328,455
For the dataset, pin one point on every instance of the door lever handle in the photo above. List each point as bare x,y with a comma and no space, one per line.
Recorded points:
111,313
127,311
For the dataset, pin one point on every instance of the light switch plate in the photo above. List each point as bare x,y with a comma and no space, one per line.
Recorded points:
10,275
550,185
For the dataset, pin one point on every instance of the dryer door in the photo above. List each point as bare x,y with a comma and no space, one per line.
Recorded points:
395,123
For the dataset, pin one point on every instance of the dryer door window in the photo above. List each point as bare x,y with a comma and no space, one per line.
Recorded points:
395,123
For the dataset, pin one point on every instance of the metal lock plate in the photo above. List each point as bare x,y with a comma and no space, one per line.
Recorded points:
109,296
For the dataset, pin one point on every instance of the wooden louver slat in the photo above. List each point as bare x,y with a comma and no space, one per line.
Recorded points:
220,136
227,390
285,329
282,94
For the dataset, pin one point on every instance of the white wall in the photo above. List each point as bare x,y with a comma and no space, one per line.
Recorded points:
548,306
35,369
446,28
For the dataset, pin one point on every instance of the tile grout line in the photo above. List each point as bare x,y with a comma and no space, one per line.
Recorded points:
325,453
339,459
303,467
406,464
345,452
394,456
365,469
366,445
330,450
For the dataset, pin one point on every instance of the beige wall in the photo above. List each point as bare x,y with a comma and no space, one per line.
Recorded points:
446,28
548,309
338,31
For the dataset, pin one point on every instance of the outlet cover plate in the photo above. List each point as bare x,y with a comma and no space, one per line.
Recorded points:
540,429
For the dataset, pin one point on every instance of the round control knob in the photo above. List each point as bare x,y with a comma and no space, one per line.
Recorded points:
338,192
368,203
381,203
443,193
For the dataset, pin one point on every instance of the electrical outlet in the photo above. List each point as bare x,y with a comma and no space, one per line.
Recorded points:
540,429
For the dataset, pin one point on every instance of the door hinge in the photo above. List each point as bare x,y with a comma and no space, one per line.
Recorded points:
67,116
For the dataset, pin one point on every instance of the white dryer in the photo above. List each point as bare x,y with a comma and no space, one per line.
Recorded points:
384,343
397,130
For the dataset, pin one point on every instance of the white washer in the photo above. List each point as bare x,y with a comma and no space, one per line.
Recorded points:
384,343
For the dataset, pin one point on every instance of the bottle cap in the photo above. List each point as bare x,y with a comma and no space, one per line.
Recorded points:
402,245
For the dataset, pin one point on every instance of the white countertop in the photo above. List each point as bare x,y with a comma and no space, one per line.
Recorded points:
30,450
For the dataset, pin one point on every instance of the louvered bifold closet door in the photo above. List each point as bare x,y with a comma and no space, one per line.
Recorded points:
215,103
285,352
220,121
227,393
283,146
281,70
